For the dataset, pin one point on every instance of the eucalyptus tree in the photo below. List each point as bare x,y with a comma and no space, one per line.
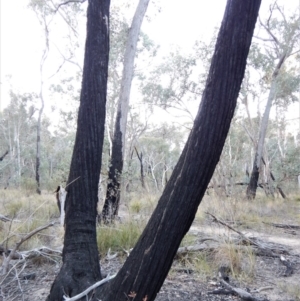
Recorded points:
171,84
56,18
146,268
283,35
80,255
112,200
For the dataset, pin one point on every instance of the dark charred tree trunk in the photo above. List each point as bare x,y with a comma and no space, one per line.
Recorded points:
4,155
146,268
81,266
38,154
142,174
112,200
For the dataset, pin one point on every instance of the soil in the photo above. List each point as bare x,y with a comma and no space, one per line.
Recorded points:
32,278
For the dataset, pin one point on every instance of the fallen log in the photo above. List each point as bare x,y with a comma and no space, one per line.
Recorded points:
283,226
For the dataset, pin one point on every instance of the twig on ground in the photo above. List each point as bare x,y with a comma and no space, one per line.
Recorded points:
84,293
109,256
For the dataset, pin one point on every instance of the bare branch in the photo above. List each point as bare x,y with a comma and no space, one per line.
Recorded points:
18,244
281,12
267,28
67,2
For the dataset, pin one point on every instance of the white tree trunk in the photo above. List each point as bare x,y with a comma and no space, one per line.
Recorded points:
128,68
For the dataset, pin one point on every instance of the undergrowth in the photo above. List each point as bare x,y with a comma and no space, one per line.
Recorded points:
118,237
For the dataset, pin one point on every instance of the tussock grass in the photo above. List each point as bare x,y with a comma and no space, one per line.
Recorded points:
118,237
142,203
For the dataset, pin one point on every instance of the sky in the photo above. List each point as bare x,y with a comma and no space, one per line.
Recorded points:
22,41
168,23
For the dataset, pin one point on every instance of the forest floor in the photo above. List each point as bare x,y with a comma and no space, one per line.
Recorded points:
259,255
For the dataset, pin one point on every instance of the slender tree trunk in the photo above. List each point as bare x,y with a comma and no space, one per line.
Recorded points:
142,174
146,268
4,155
112,200
81,267
38,148
252,187
39,121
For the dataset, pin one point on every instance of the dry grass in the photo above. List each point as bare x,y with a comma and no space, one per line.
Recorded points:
27,212
251,214
142,203
118,237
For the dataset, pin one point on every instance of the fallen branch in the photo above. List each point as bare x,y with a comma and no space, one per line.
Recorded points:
234,230
284,226
4,218
95,285
263,249
244,295
18,244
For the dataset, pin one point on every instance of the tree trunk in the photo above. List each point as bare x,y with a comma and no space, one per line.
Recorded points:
142,175
39,121
81,266
112,200
252,187
146,268
38,149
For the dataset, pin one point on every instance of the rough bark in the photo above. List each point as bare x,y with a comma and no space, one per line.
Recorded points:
144,271
112,200
81,267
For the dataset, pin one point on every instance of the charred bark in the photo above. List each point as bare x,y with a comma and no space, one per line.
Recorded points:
4,155
112,200
146,268
81,266
140,157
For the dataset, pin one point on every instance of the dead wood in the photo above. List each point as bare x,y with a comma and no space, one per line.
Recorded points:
89,289
264,249
244,295
12,253
228,289
289,268
4,218
283,226
234,230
